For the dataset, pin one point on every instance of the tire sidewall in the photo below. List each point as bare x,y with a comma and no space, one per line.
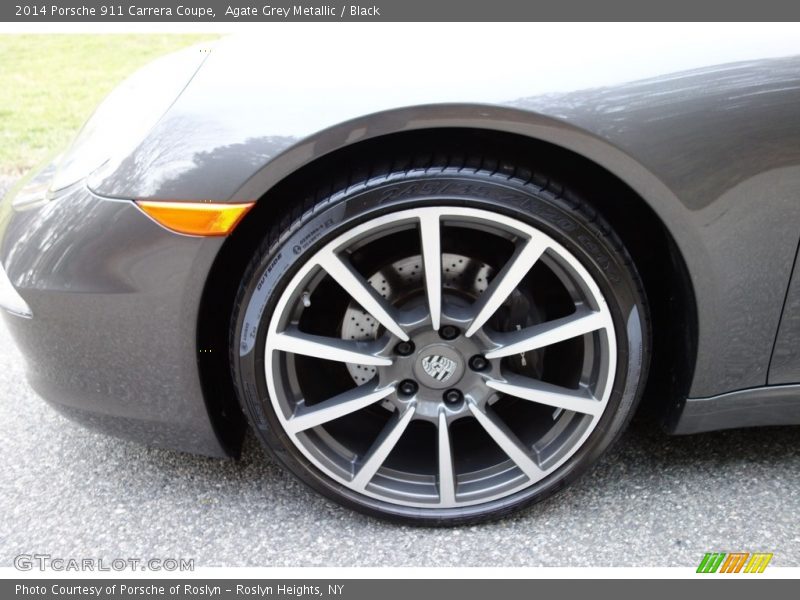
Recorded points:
607,263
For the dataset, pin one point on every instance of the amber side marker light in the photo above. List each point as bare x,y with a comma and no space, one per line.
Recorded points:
196,218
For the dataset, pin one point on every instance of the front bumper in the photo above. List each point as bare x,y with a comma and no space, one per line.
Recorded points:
103,303
10,300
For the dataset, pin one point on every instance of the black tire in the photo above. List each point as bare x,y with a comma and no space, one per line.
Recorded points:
540,203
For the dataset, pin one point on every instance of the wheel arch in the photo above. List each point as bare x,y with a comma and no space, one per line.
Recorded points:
635,203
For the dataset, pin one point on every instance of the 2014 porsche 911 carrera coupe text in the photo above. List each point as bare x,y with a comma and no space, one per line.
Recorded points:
437,290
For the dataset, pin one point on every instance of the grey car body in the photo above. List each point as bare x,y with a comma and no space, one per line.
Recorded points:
129,320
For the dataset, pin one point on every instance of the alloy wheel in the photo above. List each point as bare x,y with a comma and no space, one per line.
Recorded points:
441,356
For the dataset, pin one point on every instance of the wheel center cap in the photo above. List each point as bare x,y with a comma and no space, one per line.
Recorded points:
439,366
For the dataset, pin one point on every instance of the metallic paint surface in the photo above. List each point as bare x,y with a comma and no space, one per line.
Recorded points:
785,365
714,151
757,407
115,298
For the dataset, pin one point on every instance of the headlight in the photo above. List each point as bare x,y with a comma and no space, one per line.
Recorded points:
127,114
32,190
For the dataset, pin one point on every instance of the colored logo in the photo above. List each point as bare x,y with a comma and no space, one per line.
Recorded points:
734,562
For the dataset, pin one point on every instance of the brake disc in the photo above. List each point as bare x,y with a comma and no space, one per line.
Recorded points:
462,275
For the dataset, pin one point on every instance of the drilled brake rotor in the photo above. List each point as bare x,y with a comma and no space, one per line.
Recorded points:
461,275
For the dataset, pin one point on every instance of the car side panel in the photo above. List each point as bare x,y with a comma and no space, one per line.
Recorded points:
115,301
785,365
714,151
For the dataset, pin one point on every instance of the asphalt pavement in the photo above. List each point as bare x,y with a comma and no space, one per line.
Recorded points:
655,500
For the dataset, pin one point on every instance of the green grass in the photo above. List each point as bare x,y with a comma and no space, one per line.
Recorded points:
49,85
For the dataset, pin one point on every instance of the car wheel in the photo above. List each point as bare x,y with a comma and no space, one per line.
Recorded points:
441,345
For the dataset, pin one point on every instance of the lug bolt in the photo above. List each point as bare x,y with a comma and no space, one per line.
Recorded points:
404,348
478,363
407,387
452,396
448,332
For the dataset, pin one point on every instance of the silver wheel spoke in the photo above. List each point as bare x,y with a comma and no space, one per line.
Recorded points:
540,392
382,447
363,293
508,442
430,234
340,405
297,342
447,478
545,334
506,281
